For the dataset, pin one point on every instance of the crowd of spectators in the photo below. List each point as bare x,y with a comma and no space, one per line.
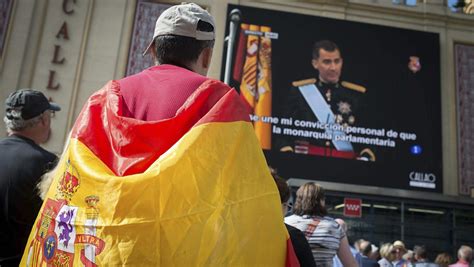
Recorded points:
328,239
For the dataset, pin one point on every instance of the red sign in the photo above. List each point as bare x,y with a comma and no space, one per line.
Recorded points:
352,207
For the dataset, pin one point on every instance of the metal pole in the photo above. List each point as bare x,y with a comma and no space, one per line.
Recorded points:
235,16
454,243
402,220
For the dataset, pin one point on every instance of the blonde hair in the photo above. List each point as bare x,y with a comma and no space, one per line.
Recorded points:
47,178
386,251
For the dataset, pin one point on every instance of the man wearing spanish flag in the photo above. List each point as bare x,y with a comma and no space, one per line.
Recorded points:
163,168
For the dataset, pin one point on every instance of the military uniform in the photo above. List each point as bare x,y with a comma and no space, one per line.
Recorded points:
346,102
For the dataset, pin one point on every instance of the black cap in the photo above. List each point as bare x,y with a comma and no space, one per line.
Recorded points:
31,103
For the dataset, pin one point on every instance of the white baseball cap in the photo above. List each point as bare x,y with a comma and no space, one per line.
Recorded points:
182,20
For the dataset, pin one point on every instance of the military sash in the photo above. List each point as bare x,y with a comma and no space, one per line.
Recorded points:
324,114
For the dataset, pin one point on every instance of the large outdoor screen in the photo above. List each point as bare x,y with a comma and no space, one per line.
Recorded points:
341,101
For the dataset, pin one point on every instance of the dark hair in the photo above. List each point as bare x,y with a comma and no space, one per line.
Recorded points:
308,200
443,259
283,187
366,248
420,252
327,45
181,50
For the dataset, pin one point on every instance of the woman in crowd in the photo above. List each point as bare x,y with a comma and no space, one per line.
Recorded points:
443,259
388,255
325,236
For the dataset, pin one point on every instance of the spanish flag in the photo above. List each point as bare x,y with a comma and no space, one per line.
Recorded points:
255,77
192,190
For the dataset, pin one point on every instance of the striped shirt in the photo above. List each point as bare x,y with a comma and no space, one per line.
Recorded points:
324,236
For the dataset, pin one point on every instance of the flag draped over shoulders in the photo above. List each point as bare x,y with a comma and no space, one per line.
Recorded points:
190,190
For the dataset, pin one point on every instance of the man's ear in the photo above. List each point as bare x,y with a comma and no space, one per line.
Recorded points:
44,118
314,62
153,53
206,57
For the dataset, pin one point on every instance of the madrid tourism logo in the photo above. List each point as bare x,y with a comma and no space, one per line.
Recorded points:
422,179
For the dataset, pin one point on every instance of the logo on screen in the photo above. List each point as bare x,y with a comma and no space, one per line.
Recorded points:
422,179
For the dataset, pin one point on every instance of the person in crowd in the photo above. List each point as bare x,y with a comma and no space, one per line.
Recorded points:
152,131
357,244
400,250
464,257
375,255
298,240
357,256
325,236
366,250
421,257
388,255
443,259
181,47
28,122
409,256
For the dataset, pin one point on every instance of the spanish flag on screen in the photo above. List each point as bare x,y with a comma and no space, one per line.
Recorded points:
254,72
193,190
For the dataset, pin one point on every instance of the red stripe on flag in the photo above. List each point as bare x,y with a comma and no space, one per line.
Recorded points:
250,75
128,146
250,68
240,56
291,259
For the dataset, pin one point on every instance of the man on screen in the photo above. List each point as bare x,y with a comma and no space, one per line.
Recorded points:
335,104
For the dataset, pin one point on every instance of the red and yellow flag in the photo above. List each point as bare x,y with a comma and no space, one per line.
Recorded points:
190,190
255,77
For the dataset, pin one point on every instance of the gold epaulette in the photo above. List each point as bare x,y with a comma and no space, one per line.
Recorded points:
354,87
304,82
286,149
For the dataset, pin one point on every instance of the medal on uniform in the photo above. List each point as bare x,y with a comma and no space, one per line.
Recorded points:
351,119
328,95
344,107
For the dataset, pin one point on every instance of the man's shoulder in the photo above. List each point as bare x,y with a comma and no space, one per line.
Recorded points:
164,72
350,86
294,94
367,262
25,162
303,82
17,144
25,149
353,87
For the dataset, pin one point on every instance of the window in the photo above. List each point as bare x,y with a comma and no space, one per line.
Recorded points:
405,2
461,6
